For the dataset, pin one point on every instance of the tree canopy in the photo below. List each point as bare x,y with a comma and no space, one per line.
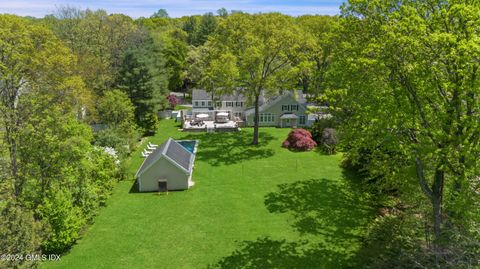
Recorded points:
408,85
258,55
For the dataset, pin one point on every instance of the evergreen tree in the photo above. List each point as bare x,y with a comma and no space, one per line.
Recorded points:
143,78
207,26
190,27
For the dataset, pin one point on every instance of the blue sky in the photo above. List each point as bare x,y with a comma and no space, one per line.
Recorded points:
176,8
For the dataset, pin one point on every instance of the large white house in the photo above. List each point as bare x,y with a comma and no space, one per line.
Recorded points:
287,109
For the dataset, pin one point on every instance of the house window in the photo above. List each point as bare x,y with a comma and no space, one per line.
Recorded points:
302,120
285,108
239,104
219,104
238,114
209,103
229,104
196,103
293,107
267,117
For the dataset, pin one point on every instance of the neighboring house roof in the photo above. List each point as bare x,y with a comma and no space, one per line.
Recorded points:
171,151
179,94
300,99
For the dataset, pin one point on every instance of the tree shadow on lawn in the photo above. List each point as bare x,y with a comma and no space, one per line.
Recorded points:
134,187
231,148
268,253
331,214
331,209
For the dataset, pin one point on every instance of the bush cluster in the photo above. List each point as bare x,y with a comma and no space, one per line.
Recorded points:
299,139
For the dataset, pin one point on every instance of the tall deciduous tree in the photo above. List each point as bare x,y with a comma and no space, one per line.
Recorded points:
411,85
117,112
41,103
115,108
174,49
262,49
34,67
98,39
313,73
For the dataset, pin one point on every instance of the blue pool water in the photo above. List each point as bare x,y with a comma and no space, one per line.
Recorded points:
188,144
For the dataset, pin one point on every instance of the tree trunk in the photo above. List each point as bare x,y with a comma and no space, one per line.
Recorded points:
255,121
437,197
12,150
435,194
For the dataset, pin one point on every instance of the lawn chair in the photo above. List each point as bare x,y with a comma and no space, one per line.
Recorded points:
151,147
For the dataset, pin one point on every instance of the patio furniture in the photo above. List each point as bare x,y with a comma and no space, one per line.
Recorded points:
222,117
151,148
201,116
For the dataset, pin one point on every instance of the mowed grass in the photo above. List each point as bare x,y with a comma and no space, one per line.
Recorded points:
251,207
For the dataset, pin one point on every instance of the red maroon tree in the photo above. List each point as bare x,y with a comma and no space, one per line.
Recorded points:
299,139
173,101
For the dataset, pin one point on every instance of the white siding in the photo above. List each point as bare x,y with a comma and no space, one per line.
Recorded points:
177,179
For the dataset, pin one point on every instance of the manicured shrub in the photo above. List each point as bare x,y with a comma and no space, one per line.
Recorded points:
299,139
318,127
329,140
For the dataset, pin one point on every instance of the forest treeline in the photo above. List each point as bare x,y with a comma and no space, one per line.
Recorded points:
79,88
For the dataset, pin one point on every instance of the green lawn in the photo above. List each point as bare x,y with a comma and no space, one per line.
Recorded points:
180,107
256,207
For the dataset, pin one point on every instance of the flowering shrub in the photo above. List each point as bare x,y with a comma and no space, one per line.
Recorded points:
299,139
173,100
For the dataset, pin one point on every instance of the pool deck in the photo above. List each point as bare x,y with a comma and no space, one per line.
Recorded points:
211,126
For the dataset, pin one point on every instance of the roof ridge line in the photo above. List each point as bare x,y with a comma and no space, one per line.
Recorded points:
164,150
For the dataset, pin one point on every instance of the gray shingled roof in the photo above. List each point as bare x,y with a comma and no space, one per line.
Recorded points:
198,94
179,154
174,152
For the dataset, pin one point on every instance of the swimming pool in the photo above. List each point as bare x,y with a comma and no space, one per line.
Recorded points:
190,145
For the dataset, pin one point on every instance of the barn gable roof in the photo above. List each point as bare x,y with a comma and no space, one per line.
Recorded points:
171,151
